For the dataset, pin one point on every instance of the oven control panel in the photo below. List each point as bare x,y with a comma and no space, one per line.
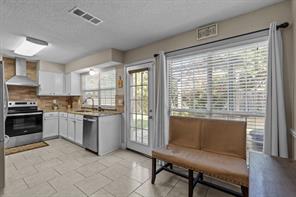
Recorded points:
22,103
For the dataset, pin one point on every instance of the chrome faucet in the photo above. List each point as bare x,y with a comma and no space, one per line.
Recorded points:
93,101
100,108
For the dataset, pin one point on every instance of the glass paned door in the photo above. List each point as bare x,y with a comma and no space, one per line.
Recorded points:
139,108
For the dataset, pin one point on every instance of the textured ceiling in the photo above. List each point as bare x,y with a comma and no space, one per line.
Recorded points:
127,23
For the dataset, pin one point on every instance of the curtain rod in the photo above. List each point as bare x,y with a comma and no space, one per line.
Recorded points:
280,26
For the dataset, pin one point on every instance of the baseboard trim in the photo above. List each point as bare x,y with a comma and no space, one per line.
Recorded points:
123,145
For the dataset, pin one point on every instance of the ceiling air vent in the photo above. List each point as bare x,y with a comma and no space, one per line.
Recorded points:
78,12
207,31
95,21
85,16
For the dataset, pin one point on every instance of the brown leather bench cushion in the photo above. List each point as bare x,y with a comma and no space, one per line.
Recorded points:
224,136
224,167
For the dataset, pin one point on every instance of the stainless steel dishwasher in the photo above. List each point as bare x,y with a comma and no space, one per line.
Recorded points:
90,133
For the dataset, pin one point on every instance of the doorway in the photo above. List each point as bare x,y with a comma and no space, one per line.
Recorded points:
139,107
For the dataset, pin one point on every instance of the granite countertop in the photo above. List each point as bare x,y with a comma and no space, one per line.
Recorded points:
87,112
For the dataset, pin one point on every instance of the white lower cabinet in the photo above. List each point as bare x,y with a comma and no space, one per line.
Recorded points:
71,127
50,125
109,134
79,129
63,124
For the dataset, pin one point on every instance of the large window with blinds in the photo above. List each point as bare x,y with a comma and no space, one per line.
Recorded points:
228,83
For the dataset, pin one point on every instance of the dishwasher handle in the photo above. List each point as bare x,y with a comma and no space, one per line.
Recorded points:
89,120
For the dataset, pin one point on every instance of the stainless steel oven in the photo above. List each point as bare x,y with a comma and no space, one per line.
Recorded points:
23,123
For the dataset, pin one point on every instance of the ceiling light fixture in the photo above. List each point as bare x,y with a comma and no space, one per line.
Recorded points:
92,72
30,47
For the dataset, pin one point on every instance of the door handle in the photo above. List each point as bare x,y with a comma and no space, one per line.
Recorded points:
150,117
6,101
6,139
24,114
89,120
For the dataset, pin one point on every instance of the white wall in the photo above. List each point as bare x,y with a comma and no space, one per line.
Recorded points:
50,67
253,21
119,74
100,57
293,135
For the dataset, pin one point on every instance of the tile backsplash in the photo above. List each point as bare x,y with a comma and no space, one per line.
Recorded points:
17,93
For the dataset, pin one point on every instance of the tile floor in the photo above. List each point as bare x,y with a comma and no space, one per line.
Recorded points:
63,169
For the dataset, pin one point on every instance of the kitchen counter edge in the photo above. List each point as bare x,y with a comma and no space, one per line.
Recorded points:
98,114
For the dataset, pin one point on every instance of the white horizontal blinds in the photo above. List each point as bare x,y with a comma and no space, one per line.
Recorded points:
239,79
90,82
188,83
108,88
226,83
101,87
108,79
90,86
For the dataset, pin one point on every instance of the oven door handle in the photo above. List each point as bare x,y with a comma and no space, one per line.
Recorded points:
89,120
24,114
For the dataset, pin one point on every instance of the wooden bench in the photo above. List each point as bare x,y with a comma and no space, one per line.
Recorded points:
216,148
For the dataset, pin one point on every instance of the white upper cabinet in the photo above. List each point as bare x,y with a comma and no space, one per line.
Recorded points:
58,84
73,84
46,83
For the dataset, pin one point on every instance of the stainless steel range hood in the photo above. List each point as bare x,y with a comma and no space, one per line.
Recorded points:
20,78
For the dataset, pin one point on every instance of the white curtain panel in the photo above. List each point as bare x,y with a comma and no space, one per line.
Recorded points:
161,118
275,138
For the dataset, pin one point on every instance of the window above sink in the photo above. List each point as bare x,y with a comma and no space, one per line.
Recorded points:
101,87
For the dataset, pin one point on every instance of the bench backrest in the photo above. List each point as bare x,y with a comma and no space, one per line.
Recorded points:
225,137
185,131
